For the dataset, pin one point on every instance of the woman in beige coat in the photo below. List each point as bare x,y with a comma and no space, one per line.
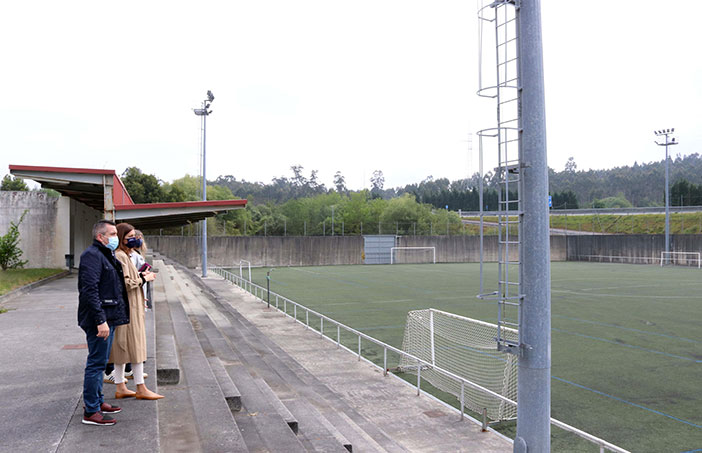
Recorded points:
129,344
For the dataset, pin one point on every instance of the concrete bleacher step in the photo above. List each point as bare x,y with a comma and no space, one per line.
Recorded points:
261,426
216,426
254,349
318,433
362,433
321,433
167,366
282,410
231,393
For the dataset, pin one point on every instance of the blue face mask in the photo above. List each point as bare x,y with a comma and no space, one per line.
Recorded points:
133,243
113,243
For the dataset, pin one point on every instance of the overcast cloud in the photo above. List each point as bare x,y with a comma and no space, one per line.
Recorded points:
329,85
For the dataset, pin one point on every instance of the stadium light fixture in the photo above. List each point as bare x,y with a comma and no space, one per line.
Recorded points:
666,133
204,112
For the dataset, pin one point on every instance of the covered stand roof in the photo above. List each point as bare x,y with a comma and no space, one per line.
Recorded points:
163,215
104,191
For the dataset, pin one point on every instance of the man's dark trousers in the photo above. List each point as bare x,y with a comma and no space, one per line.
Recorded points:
98,353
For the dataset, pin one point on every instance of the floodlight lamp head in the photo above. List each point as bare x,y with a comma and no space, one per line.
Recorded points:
200,112
210,96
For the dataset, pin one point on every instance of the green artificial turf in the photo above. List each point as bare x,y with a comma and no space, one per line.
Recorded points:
626,339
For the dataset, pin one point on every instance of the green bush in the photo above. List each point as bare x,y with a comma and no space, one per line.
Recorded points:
10,252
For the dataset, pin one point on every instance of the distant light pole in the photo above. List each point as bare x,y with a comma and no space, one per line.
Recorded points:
203,112
665,133
332,220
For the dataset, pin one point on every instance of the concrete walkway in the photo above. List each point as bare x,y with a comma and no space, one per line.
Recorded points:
42,359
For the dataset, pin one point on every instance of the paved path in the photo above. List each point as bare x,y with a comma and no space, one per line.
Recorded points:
42,359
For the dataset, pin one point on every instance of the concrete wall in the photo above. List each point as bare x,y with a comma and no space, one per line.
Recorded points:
38,232
262,251
587,248
52,228
328,250
323,250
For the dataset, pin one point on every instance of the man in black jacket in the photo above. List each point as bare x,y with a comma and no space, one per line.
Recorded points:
102,305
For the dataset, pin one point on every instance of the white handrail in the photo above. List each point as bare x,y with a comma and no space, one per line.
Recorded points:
603,444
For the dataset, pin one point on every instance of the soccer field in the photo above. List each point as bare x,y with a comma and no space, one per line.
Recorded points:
626,339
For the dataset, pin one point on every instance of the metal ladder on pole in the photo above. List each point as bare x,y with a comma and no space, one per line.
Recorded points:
505,90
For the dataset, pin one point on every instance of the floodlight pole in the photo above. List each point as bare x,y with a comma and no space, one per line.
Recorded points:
203,112
534,382
665,133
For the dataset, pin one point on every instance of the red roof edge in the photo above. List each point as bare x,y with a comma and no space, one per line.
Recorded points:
95,171
120,196
181,204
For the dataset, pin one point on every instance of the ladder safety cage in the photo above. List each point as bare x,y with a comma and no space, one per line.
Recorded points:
504,87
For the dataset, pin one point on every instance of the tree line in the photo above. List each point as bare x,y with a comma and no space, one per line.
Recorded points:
636,185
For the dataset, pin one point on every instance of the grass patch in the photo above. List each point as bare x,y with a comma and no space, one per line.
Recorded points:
14,278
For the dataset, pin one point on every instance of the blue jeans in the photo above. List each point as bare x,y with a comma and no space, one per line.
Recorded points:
98,353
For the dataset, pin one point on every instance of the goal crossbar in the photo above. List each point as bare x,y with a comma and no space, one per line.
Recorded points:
669,257
393,249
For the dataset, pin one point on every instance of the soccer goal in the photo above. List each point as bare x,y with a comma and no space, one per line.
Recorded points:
465,347
413,255
681,258
244,265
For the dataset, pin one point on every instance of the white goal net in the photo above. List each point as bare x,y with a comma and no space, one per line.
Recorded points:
465,347
412,255
681,259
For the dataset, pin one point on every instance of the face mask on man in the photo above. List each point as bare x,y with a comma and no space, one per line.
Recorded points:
133,243
112,243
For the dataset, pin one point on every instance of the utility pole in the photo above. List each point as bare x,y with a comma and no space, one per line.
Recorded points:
665,133
534,385
204,112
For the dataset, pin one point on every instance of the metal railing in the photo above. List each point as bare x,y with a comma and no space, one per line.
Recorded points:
259,292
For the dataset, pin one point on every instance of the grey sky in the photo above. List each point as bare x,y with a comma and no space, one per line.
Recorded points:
349,86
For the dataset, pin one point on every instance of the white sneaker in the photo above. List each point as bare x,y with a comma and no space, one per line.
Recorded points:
108,378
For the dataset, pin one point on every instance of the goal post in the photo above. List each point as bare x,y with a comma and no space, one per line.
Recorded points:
417,254
465,347
243,264
681,258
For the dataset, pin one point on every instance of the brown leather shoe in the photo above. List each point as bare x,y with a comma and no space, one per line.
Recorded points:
149,396
128,394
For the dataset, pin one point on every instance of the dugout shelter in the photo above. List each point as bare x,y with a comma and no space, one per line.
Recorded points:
90,194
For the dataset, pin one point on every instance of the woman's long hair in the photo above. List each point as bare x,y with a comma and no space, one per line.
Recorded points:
123,229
